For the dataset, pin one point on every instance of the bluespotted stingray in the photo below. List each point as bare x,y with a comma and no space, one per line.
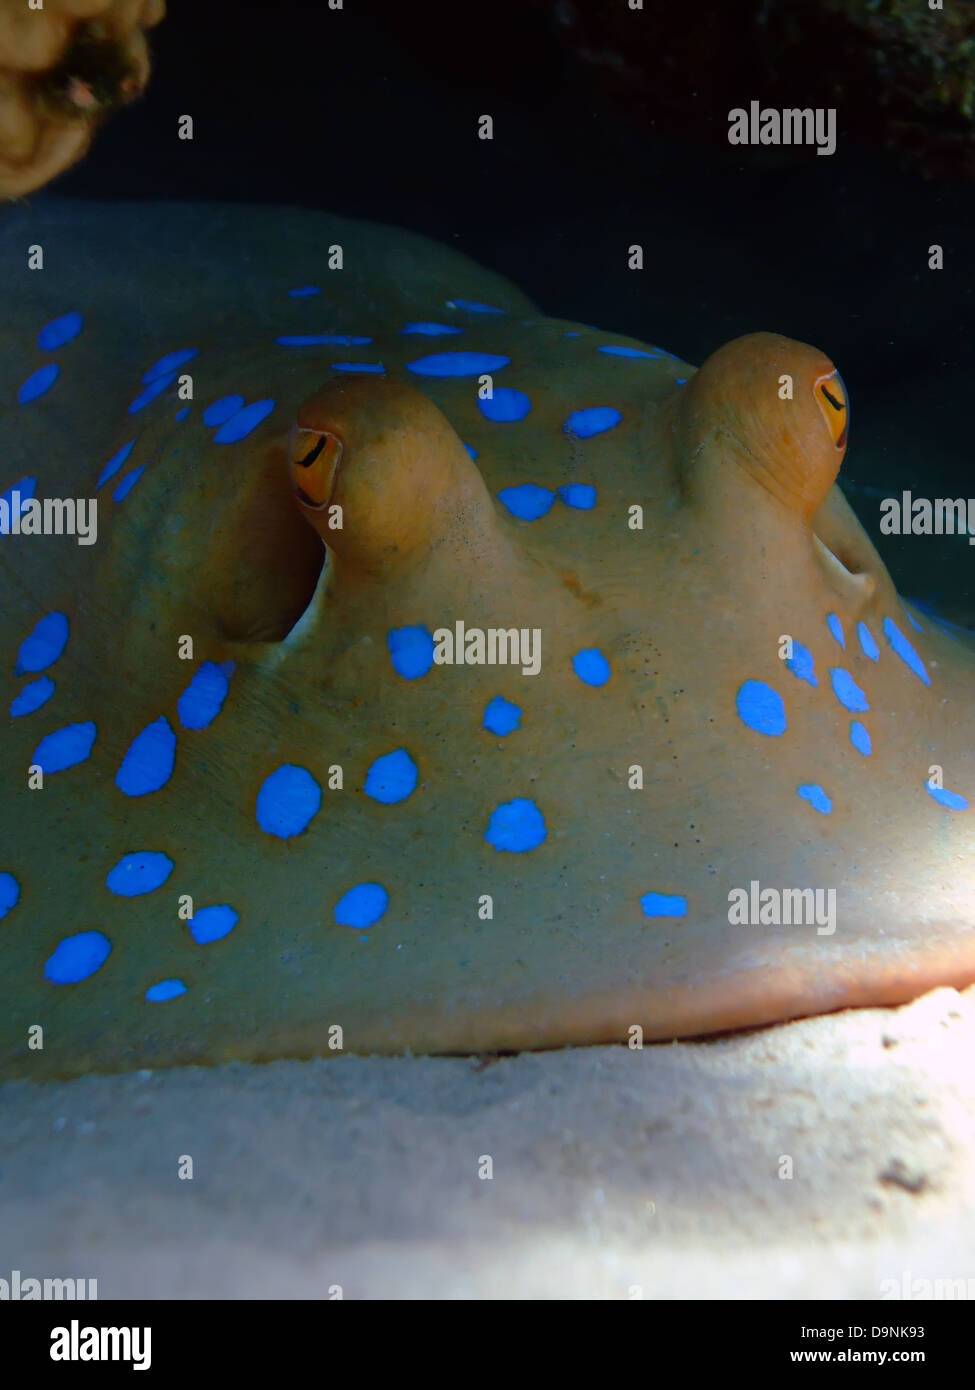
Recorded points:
442,677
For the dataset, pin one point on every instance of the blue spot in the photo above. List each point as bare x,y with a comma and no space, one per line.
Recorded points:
591,666
9,894
597,419
505,406
77,957
128,483
44,645
816,797
239,426
802,664
411,651
148,765
392,778
375,367
181,415
472,451
860,738
516,826
146,397
317,339
527,502
474,307
362,906
943,797
137,874
288,802
59,331
761,708
571,335
904,650
32,697
430,330
212,924
221,410
867,645
65,748
166,366
502,717
166,989
836,628
35,386
615,351
304,291
913,621
663,905
26,488
203,698
115,463
578,495
847,691
680,380
446,364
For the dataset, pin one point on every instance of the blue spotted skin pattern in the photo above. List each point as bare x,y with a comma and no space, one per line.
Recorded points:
440,857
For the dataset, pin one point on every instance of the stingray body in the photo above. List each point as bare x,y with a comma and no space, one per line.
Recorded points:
443,677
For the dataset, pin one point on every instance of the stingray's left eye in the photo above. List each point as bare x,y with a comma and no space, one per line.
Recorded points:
314,457
831,397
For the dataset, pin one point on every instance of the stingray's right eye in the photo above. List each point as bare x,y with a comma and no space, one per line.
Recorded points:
313,458
832,400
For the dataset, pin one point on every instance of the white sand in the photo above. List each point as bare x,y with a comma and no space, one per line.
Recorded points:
612,1169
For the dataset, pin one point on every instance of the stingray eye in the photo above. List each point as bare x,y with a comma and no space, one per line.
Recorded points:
831,396
314,457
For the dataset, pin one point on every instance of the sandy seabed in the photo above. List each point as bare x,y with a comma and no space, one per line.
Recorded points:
616,1173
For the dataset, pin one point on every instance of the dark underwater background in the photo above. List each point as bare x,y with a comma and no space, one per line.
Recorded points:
607,132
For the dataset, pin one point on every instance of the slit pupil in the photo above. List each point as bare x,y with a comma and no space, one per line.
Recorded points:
310,458
834,401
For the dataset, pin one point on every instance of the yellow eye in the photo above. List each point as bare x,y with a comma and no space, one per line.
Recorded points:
831,397
315,456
